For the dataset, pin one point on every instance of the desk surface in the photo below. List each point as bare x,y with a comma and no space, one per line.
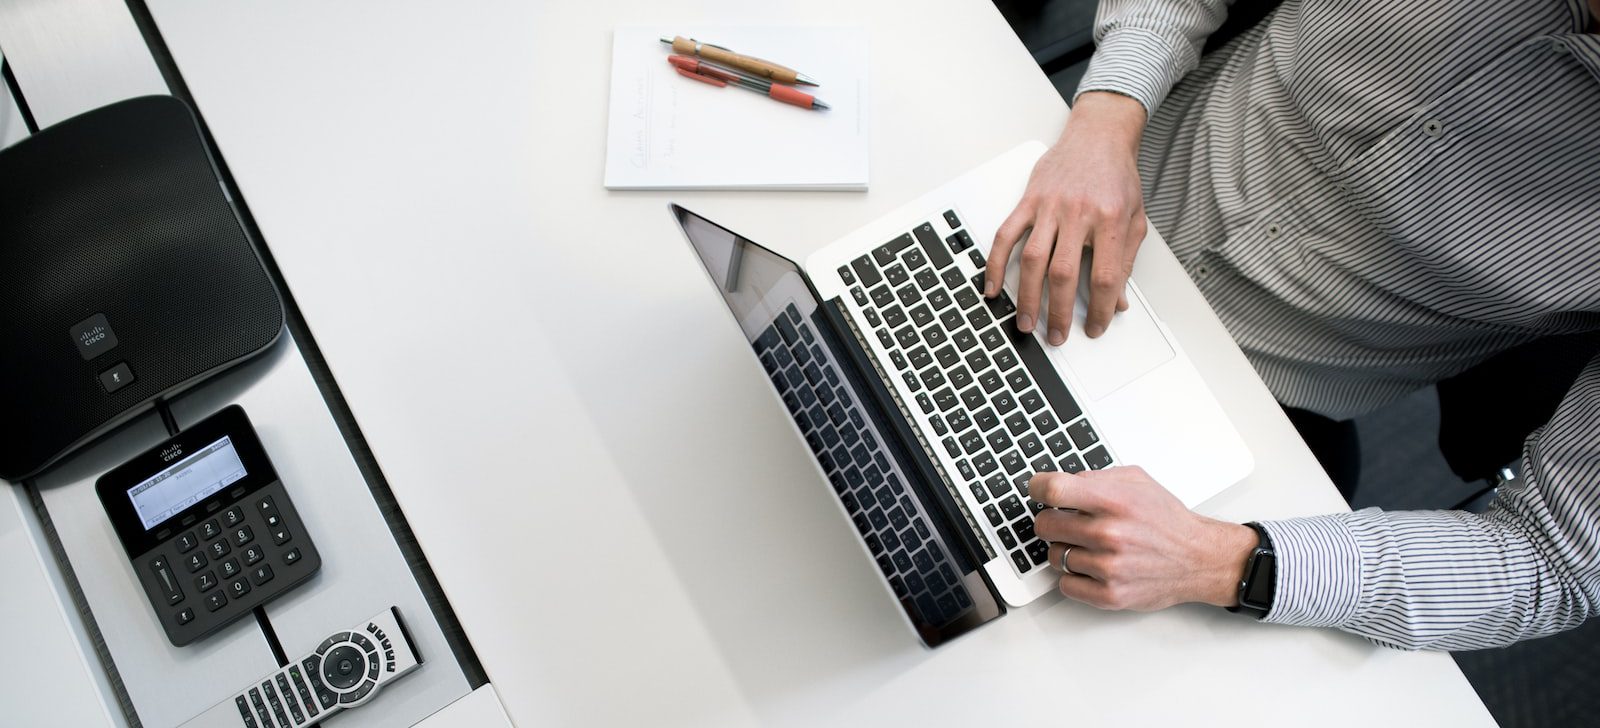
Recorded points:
627,531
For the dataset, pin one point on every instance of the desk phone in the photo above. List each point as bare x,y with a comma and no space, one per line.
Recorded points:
207,525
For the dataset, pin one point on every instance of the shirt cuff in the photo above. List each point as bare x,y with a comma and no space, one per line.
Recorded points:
1138,64
1318,579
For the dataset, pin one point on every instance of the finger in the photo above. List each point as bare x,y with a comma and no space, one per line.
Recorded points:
1064,281
1131,251
1080,561
1004,240
1122,302
1092,592
1035,260
1062,526
1087,491
1106,278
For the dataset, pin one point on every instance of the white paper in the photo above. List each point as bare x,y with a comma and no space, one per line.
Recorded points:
671,132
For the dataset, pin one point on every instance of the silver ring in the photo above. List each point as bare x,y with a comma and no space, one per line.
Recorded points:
1064,553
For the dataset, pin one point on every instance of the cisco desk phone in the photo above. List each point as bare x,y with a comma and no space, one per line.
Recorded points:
209,528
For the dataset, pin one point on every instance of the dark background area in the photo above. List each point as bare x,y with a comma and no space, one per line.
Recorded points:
1545,682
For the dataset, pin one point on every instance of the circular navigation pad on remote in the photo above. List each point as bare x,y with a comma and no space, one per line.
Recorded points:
344,666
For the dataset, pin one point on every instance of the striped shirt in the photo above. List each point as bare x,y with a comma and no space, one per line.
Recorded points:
1375,196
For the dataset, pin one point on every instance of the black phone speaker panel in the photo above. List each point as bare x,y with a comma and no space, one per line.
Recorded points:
125,276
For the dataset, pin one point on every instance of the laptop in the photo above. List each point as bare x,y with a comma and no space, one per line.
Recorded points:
927,410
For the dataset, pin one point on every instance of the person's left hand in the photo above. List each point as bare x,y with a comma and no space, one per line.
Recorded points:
1134,545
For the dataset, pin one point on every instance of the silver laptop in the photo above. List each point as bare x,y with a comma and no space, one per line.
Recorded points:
928,411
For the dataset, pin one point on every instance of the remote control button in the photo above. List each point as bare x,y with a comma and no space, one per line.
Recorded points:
291,556
219,549
238,588
206,582
301,690
327,644
260,706
261,575
343,666
216,601
195,561
233,517
272,700
244,712
242,535
185,616
372,667
274,520
265,505
167,580
230,568
280,535
252,554
186,542
324,696
362,642
288,697
356,695
210,530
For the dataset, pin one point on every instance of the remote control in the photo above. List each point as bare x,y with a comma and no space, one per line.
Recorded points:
344,672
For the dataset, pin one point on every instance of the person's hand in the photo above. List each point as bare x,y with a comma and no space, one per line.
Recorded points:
1134,545
1083,192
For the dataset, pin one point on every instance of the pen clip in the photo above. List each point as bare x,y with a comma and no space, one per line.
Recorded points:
719,83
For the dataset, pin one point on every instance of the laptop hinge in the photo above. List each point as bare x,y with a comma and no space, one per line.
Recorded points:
921,453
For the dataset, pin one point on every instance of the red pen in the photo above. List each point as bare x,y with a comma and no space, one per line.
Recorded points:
717,76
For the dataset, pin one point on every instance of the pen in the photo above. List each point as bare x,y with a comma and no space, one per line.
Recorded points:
749,64
705,72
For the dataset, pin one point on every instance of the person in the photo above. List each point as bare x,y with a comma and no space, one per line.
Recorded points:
1373,196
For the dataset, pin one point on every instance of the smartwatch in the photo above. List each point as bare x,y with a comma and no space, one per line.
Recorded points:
1260,577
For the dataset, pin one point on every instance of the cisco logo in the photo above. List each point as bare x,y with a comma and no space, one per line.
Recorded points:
171,451
93,336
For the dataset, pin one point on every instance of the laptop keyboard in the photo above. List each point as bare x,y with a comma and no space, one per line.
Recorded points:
992,401
870,487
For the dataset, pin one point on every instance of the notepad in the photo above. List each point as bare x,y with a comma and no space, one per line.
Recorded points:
670,132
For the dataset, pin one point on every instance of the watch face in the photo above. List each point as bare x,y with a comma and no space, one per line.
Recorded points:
1260,583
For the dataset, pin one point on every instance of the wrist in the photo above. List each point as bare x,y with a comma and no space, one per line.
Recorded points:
1112,117
1224,555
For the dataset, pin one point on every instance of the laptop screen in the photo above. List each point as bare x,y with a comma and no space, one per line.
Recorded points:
941,590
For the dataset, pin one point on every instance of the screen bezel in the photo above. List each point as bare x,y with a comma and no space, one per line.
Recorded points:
112,488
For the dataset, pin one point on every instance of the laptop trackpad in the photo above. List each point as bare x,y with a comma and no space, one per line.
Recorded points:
1131,347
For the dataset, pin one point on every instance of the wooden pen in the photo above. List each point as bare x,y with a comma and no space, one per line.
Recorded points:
751,64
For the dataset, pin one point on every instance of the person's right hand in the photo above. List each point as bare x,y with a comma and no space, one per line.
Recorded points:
1084,192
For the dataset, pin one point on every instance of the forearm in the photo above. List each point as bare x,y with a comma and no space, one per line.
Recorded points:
1144,46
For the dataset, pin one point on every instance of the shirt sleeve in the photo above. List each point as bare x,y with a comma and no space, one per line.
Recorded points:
1450,580
1142,47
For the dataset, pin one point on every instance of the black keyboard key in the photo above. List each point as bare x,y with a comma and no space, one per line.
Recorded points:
1071,464
973,398
1011,507
1006,539
1043,464
924,561
1001,306
901,561
891,541
959,241
997,486
933,377
939,299
951,320
894,316
1018,381
882,296
907,337
946,400
1012,462
921,316
959,420
920,358
979,280
1059,445
787,331
951,220
1003,402
951,447
934,335
866,271
992,513
914,582
986,418
862,524
873,544
979,318
978,360
899,587
1037,551
926,279
1030,445
1021,483
1024,529
965,340
990,381
959,377
1097,458
965,469
914,260
971,441
1004,359
859,295
908,295
979,493
846,275
977,258
1044,421
932,245
878,519
998,440
966,297
885,339
911,381
1021,560
1082,433
985,463
1055,391
947,356
953,278
992,338
1016,423
939,426
898,359
886,253
896,275
872,317
937,583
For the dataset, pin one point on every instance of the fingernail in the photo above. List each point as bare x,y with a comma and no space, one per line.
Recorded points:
1024,322
988,288
1057,337
1094,330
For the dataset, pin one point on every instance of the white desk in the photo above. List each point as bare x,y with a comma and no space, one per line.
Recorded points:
616,507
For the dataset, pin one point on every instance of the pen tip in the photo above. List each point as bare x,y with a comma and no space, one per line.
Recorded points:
807,80
817,104
666,39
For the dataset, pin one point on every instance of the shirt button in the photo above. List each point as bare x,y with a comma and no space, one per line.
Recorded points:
1433,127
1274,231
